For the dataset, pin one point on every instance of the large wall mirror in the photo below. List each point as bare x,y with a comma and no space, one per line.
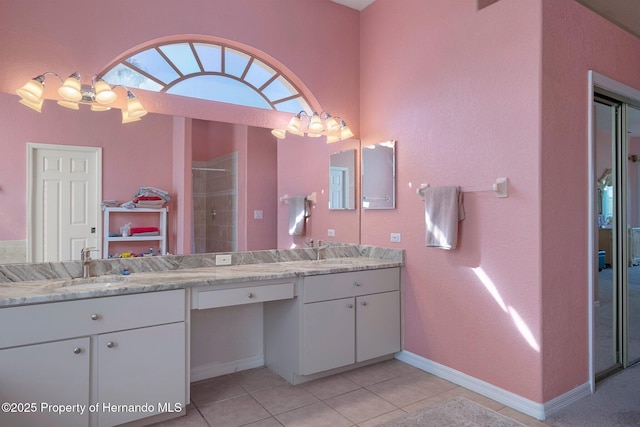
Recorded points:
342,180
379,175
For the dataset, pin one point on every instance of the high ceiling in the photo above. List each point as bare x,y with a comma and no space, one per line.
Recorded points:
355,4
624,13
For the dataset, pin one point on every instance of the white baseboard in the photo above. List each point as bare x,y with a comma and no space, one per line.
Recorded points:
512,400
211,370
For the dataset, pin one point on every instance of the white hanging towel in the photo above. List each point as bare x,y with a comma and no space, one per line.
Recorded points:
442,210
298,214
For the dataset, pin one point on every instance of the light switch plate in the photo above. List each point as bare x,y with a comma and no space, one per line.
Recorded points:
223,259
331,232
396,237
257,214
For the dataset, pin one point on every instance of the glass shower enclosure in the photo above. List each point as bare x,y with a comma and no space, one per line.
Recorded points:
215,204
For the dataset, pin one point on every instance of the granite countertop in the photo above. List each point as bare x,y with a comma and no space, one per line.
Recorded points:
64,289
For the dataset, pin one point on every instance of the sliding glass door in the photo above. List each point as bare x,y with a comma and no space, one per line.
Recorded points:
617,291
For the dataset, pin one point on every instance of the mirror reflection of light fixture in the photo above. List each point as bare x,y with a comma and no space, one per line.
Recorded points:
98,95
316,125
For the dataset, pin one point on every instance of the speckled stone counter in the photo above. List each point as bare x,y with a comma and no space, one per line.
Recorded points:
22,284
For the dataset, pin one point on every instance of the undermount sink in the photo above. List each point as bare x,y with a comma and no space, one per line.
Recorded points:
333,261
98,281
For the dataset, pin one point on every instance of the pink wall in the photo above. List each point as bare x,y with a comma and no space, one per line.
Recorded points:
464,108
261,192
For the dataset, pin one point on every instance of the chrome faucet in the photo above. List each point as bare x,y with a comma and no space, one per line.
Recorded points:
320,250
85,257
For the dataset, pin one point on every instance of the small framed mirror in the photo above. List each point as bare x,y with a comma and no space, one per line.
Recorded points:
379,175
342,180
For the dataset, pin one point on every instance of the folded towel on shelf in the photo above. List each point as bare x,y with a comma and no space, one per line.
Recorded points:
153,191
109,204
141,230
442,210
298,214
147,201
148,233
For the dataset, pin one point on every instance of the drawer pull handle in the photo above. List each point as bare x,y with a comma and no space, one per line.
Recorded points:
77,350
111,344
251,295
364,303
95,316
349,305
358,284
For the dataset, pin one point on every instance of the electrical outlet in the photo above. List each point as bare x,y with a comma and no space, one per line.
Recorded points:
257,214
331,232
396,237
223,259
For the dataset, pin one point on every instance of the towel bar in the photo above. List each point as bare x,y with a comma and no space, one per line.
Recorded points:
501,187
313,198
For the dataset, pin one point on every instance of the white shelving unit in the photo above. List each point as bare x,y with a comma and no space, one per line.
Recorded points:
162,227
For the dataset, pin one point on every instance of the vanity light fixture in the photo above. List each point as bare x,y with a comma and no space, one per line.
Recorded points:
316,125
99,95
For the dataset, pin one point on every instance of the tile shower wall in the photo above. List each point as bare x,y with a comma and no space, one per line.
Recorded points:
215,191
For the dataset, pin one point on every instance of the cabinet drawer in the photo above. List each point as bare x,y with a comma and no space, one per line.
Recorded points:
355,283
53,321
203,299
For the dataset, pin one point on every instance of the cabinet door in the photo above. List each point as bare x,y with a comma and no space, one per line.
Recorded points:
54,373
328,335
143,366
377,325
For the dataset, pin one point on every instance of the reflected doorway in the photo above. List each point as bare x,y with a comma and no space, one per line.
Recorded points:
617,290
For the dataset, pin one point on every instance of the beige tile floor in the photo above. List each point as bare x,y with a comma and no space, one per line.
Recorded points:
363,397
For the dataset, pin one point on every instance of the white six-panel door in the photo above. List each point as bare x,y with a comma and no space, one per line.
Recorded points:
64,193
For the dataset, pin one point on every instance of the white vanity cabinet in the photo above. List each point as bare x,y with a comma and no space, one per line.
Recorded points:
120,350
55,373
144,366
339,320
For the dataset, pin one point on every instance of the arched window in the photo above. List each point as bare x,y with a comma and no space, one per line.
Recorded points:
210,71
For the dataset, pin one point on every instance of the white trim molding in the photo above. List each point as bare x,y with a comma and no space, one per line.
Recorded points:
512,400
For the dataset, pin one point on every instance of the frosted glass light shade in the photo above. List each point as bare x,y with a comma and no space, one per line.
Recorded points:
37,106
68,104
345,132
279,133
126,118
71,88
104,93
332,124
315,124
294,125
135,108
32,91
96,107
